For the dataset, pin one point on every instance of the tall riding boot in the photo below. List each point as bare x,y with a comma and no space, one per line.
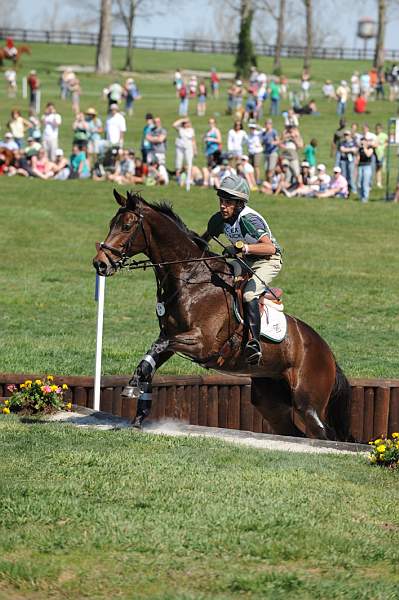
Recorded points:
253,352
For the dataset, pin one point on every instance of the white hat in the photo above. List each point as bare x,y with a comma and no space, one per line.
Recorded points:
252,124
113,106
59,152
337,169
343,82
244,157
321,167
8,134
238,82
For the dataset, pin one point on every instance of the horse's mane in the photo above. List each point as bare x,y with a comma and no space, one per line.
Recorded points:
166,209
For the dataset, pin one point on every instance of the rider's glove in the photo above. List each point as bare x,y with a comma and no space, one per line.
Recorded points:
236,250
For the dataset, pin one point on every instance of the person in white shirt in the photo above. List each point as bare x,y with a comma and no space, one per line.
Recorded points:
186,146
255,147
246,170
236,138
51,123
115,127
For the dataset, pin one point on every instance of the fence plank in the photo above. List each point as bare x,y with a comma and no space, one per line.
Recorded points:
117,401
203,405
394,411
106,400
246,409
223,401
182,407
170,407
233,407
212,412
368,421
257,422
161,401
381,412
357,413
79,396
195,399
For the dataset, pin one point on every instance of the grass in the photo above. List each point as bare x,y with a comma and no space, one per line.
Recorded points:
338,275
99,514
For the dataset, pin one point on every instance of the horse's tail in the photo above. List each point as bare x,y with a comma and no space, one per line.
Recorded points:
338,414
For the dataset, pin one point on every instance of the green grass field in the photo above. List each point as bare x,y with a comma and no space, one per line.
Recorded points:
112,514
339,273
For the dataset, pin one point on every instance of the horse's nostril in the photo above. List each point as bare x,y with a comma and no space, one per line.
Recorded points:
100,267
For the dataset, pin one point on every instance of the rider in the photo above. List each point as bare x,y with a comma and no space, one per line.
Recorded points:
10,48
240,223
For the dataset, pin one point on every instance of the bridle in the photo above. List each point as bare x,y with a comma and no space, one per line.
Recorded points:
123,253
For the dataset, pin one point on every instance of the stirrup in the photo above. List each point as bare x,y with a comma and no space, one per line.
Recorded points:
253,352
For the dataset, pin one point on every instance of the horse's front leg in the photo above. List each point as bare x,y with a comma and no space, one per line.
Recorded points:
140,385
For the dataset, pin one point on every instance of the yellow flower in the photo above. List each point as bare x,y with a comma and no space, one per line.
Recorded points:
381,448
38,381
6,402
68,405
376,442
64,386
50,377
372,458
395,435
6,410
28,382
22,386
54,388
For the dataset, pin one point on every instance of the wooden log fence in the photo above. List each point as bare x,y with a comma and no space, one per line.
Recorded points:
225,401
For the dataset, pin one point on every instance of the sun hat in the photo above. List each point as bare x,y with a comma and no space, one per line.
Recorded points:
8,134
113,106
337,169
321,167
244,157
91,111
252,124
59,152
305,163
235,186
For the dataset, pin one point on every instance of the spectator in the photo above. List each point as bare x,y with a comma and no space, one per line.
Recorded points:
348,150
250,105
80,131
94,133
310,154
360,104
186,147
342,93
178,82
323,179
255,148
17,125
201,95
32,147
34,126
41,166
237,94
274,92
355,85
10,76
328,90
115,127
305,85
382,143
61,169
270,142
236,138
192,86
213,143
159,174
114,94
337,139
75,89
64,83
183,101
379,88
51,121
125,168
131,94
365,171
34,86
21,165
365,84
157,137
8,142
246,170
308,109
219,172
146,145
291,142
338,186
215,82
290,118
273,185
289,180
79,164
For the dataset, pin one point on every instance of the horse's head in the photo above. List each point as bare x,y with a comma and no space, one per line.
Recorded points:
126,237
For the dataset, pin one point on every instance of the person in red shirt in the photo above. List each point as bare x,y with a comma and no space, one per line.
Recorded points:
360,104
10,48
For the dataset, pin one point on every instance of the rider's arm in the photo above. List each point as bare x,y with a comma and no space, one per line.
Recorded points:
214,228
264,246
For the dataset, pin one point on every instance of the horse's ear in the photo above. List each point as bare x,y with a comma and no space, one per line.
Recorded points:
132,201
121,200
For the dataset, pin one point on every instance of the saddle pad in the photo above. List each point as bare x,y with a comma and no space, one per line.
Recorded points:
273,325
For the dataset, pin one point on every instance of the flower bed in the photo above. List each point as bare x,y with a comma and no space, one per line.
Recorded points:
33,397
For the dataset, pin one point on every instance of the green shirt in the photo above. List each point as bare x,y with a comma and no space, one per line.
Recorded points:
310,155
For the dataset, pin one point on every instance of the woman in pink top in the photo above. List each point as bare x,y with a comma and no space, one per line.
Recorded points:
41,166
338,186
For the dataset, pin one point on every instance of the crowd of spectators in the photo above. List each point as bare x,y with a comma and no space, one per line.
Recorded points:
272,162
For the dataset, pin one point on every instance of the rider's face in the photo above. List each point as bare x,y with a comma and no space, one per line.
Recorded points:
228,208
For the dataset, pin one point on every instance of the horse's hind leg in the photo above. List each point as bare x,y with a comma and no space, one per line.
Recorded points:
273,400
140,385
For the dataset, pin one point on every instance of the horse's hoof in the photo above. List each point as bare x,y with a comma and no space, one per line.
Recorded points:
137,424
130,391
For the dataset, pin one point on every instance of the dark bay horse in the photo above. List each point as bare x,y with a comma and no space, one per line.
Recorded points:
297,377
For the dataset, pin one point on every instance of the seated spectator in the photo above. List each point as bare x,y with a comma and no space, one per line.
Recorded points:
125,168
219,172
8,142
17,125
246,170
41,166
158,174
34,126
61,167
308,109
360,104
290,118
79,164
80,128
198,177
274,184
32,147
3,164
20,165
289,181
338,186
328,90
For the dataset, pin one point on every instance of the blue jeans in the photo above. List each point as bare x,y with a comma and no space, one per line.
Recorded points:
364,181
348,171
275,106
183,107
341,106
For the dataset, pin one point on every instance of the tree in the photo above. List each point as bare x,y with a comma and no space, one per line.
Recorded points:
277,12
380,40
104,46
127,11
309,33
245,57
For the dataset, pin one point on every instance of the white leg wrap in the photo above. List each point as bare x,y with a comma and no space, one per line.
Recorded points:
148,358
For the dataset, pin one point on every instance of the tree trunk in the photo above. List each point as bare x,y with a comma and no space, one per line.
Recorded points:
309,34
245,53
279,38
130,27
104,46
379,57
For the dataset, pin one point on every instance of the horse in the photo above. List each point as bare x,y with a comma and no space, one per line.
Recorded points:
298,386
16,57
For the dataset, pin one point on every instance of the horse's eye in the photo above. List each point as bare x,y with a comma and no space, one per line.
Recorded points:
126,226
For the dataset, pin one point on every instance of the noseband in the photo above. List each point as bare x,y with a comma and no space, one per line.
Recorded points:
123,253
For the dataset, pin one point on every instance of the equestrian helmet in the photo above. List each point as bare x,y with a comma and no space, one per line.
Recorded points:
236,187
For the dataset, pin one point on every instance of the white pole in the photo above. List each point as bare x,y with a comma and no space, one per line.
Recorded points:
100,295
24,87
37,103
188,179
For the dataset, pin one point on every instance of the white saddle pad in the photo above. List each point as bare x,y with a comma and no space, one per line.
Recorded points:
273,324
